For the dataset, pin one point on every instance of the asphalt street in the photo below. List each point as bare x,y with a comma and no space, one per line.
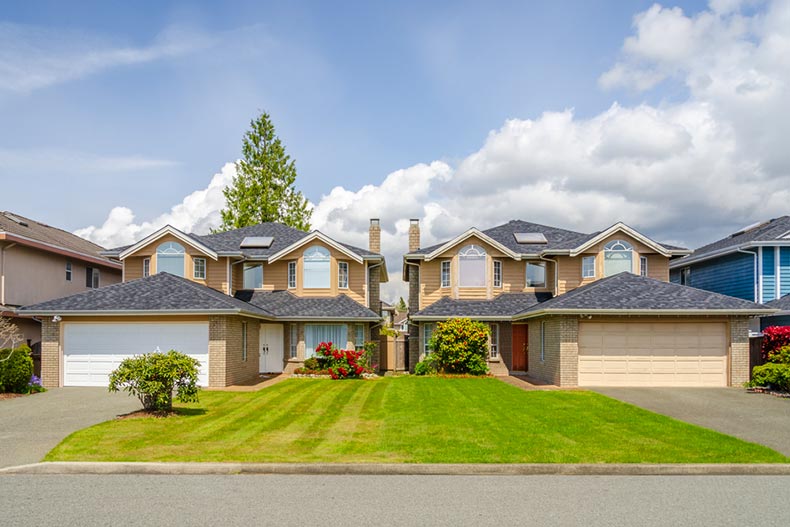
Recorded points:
394,500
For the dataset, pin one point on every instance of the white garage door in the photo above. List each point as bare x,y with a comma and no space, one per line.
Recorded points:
92,351
652,354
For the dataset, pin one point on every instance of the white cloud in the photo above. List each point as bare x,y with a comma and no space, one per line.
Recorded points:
32,57
44,160
685,172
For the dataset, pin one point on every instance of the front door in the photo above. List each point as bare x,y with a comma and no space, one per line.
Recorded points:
520,347
271,348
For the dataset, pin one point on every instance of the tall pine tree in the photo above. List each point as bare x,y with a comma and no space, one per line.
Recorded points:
263,189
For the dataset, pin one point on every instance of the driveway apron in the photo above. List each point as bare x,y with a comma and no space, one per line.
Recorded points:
32,426
759,418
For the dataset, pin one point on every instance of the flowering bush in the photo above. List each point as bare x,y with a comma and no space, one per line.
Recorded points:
343,364
35,386
460,345
775,373
774,338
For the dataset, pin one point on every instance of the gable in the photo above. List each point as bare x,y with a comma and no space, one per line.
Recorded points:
147,246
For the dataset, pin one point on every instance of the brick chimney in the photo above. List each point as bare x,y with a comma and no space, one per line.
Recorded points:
414,235
374,236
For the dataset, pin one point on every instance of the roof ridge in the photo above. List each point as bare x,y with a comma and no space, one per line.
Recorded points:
48,226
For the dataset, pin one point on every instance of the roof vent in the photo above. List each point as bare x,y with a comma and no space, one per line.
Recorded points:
530,237
256,242
749,228
16,219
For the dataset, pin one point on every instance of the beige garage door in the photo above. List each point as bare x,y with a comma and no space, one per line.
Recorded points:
653,354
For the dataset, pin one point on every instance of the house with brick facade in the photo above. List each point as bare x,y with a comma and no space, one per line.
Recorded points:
578,309
243,302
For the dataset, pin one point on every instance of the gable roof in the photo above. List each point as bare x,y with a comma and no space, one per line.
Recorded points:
31,232
161,293
284,305
782,303
627,293
772,232
501,307
168,229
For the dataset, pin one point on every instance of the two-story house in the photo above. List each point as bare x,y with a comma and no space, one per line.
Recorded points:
39,262
577,309
752,263
242,302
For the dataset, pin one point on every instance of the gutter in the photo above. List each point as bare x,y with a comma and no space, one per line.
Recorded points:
647,312
24,240
143,312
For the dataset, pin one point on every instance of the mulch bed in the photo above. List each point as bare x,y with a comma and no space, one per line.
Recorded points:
783,395
13,395
146,413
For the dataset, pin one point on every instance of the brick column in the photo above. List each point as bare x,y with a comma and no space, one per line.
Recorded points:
739,351
414,306
217,342
569,351
50,353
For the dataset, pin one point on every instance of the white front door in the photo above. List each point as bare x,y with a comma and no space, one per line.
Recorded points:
271,348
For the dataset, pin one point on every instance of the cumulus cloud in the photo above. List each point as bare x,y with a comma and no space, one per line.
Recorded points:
683,172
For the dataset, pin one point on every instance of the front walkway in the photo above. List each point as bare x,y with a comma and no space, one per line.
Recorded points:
264,381
754,417
525,382
33,425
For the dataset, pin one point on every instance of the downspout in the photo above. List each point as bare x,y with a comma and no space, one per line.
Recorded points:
556,287
230,274
755,283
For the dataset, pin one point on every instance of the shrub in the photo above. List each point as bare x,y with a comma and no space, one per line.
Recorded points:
425,367
35,386
774,338
16,369
342,364
460,345
772,375
154,376
311,364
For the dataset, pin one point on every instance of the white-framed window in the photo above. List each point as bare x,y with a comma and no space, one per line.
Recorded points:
199,268
427,332
294,341
253,276
472,266
342,275
618,256
542,341
588,266
497,273
315,334
92,280
643,265
170,258
68,271
446,273
291,275
244,341
493,342
316,268
359,339
685,276
536,274
146,267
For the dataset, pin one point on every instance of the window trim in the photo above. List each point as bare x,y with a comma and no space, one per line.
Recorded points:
293,342
426,337
250,266
340,266
612,248
359,343
526,274
146,267
685,276
171,250
442,283
292,274
493,342
195,268
244,342
465,254
643,266
69,271
497,280
588,258
326,259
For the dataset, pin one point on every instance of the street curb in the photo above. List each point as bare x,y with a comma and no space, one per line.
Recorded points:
378,469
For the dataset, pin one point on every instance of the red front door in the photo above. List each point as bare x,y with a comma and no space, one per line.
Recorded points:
520,347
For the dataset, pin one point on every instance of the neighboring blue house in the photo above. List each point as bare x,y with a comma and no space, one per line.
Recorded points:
752,264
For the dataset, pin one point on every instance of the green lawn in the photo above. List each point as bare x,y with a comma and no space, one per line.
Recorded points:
411,420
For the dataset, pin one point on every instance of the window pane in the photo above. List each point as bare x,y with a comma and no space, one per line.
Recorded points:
200,268
315,334
427,331
445,274
536,275
291,274
617,262
294,340
316,268
473,271
342,272
588,267
497,274
253,276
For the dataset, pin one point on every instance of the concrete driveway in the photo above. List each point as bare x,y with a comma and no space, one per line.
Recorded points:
758,418
32,426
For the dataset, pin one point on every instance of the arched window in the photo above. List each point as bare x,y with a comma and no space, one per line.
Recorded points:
316,268
170,258
472,266
618,256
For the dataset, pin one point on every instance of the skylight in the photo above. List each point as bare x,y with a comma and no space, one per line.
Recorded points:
15,219
748,228
530,237
256,242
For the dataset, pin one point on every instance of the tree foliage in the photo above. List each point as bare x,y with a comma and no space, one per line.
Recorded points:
153,377
10,334
263,188
401,305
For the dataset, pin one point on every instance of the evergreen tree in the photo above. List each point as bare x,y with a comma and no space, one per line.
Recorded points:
401,305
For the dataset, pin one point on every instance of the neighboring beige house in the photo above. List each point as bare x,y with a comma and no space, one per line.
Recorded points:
39,262
577,309
243,302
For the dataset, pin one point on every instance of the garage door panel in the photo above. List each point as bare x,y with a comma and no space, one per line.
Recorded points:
655,354
92,351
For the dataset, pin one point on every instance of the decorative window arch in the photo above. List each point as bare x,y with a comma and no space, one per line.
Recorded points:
618,256
472,266
170,258
316,268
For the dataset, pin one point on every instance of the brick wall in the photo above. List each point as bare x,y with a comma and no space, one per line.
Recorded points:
739,350
414,306
50,353
561,350
505,362
225,359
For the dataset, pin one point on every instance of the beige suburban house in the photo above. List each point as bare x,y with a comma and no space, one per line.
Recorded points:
243,302
39,262
576,309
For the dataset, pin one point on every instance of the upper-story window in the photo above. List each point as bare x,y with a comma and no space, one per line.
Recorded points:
253,276
199,268
92,280
68,271
446,273
146,267
685,276
588,266
170,258
497,273
536,274
316,268
472,266
342,275
618,256
643,265
291,275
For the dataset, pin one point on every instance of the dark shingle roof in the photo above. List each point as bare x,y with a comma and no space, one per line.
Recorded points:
159,292
769,231
782,303
504,305
628,291
44,233
284,304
